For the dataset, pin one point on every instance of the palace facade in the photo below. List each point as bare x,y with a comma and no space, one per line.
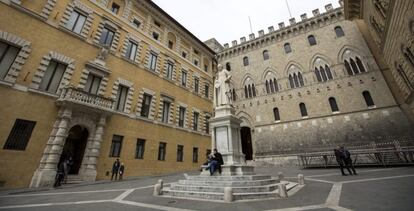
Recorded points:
98,80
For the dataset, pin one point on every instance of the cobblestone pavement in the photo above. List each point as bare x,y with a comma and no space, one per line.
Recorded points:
372,189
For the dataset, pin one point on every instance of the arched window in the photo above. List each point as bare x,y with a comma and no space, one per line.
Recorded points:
311,40
292,85
348,68
228,66
318,75
339,32
300,79
295,76
233,95
276,114
253,90
404,76
322,71
295,79
323,74
275,84
265,55
267,87
287,48
246,94
245,61
333,104
328,72
354,67
249,88
360,65
368,99
303,110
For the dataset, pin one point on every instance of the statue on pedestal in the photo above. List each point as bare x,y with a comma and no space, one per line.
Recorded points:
222,92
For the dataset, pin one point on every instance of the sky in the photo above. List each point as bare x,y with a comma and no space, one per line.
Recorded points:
228,20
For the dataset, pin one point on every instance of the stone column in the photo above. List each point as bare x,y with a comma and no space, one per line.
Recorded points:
46,172
93,149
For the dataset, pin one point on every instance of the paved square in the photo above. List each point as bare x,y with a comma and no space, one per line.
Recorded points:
372,189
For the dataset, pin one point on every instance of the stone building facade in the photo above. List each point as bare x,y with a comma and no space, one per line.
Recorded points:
310,85
98,80
388,28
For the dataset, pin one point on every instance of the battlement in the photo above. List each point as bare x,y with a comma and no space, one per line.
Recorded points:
283,30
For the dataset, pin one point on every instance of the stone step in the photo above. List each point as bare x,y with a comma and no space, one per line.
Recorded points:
218,196
228,183
196,188
230,178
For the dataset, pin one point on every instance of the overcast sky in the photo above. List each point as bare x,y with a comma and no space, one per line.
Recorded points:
228,20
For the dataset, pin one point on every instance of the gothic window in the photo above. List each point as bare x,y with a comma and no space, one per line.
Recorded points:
404,76
245,61
303,110
311,40
53,76
318,75
323,73
353,64
408,54
8,54
339,31
292,85
76,22
234,97
249,88
265,55
271,83
276,114
253,90
295,77
333,104
368,99
287,48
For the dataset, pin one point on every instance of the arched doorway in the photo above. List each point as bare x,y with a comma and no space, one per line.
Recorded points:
246,139
75,147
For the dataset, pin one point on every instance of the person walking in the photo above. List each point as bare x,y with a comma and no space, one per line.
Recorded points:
121,171
348,160
339,159
115,169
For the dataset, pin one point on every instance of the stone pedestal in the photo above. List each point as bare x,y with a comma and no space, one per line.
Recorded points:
226,135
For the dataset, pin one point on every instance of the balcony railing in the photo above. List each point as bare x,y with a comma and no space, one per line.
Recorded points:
77,96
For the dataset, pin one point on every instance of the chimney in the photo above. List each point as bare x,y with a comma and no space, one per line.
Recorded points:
242,39
271,29
315,12
281,25
303,16
226,45
328,7
251,36
292,21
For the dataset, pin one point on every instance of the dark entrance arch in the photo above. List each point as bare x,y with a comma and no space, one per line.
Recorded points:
75,147
246,139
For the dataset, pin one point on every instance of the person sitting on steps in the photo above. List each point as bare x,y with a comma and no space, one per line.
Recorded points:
216,162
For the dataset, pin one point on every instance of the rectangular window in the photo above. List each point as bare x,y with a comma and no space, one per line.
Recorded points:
8,54
165,111
76,22
207,124
170,44
195,155
206,89
196,85
53,76
206,68
115,8
170,69
180,153
131,52
195,121
136,23
19,135
139,154
162,150
195,62
92,84
184,78
153,61
116,146
146,105
157,23
121,98
181,117
184,54
107,36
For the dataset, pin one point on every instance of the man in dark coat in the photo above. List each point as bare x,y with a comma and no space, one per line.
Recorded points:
348,160
121,171
339,159
216,162
115,169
